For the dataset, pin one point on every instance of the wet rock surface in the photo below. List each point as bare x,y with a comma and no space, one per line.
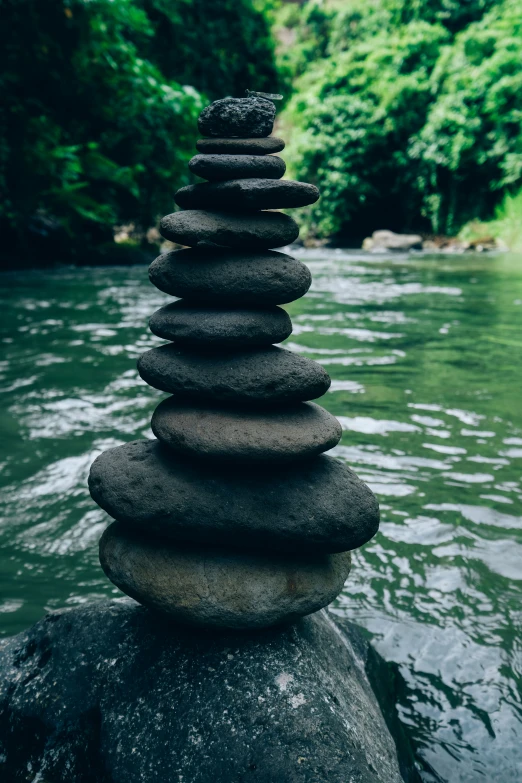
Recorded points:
238,117
297,432
232,277
220,588
153,702
257,377
224,146
257,230
199,325
317,505
247,194
222,167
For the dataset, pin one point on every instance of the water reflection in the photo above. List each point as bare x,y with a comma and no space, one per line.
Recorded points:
424,354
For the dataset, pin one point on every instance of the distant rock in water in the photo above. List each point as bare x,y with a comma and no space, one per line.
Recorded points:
112,693
387,240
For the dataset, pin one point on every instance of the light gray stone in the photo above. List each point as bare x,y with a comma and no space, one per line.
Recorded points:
317,505
239,278
199,325
381,241
223,146
247,194
242,117
217,588
291,433
259,230
265,375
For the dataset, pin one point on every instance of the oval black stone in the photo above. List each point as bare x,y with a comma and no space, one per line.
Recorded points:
294,432
224,146
222,167
254,230
241,117
231,277
263,376
317,505
247,194
195,325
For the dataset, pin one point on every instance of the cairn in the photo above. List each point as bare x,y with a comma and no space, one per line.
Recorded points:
233,517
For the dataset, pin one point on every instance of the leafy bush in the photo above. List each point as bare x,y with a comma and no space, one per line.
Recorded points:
410,115
471,144
352,118
93,132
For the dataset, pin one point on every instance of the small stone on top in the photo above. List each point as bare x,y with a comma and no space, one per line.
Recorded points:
238,117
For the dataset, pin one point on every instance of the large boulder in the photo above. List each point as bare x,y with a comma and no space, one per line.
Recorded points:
111,693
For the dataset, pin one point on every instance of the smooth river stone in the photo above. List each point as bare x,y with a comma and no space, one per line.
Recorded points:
318,505
233,277
247,194
297,432
215,588
223,167
223,146
257,230
240,117
268,375
195,325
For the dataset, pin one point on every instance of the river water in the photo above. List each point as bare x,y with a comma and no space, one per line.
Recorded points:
425,356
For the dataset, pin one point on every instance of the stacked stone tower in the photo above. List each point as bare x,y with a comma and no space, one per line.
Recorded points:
233,517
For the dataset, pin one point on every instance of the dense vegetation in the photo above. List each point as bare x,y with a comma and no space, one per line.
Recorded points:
100,99
409,112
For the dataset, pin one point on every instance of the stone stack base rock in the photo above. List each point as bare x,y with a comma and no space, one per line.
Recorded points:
234,517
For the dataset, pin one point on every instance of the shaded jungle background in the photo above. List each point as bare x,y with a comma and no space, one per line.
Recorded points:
407,112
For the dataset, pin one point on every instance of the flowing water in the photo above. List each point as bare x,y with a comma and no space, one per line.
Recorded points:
425,357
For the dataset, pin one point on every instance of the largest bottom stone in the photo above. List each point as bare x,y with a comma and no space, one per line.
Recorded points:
210,587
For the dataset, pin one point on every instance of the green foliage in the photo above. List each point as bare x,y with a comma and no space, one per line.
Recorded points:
506,225
353,116
96,127
410,113
222,47
471,144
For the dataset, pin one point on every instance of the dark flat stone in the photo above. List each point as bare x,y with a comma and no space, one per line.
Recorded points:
224,146
222,167
231,277
247,194
268,375
218,588
110,692
198,325
297,432
255,230
241,117
318,505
